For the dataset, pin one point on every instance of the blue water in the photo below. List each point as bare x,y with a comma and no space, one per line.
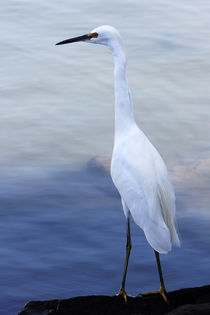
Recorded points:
64,235
62,229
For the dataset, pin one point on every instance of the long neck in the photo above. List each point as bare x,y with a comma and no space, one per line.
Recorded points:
124,117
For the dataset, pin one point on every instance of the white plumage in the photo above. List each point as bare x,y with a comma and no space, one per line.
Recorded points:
141,178
137,168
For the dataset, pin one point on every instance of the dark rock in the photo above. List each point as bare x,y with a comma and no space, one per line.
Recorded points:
191,309
181,302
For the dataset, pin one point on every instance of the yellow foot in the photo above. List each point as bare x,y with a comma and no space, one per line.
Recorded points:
162,291
123,294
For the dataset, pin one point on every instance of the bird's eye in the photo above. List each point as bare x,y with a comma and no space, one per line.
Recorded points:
93,35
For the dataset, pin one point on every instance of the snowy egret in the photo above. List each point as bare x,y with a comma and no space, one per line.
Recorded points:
137,169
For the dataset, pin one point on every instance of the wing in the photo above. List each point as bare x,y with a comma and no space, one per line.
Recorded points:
141,178
155,229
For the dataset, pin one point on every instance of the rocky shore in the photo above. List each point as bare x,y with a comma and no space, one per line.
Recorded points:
188,301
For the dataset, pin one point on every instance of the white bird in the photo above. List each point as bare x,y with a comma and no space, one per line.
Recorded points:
137,169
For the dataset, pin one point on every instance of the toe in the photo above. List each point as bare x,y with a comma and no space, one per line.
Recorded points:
123,294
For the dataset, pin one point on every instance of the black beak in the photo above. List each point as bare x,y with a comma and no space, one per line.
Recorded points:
75,39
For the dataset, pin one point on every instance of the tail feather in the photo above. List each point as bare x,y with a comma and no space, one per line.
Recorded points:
167,205
158,237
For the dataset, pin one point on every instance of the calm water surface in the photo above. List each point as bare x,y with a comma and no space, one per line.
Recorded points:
62,230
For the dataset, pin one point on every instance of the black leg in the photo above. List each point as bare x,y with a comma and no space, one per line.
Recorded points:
128,249
162,290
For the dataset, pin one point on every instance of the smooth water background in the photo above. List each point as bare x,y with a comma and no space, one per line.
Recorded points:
62,230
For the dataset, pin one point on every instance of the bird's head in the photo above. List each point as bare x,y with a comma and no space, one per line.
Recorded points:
104,35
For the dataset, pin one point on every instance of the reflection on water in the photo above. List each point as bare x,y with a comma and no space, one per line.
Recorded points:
62,229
